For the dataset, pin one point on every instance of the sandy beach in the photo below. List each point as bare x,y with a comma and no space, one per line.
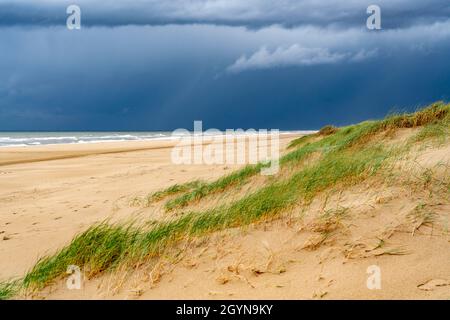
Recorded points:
48,194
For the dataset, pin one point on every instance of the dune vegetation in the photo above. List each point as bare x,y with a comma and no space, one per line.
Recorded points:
341,157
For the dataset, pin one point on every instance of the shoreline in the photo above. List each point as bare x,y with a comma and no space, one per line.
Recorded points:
156,139
10,155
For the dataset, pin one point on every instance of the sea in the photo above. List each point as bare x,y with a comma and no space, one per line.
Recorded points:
22,139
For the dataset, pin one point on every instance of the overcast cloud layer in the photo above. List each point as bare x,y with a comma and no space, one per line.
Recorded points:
252,13
160,65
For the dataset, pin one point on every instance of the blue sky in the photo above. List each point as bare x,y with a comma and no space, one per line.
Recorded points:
160,65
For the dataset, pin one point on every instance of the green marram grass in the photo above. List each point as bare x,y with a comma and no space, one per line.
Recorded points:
8,289
175,189
434,119
347,156
238,177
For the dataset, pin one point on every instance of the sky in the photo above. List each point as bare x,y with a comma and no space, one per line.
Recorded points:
161,64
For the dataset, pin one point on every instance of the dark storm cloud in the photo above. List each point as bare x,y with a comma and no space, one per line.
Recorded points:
319,46
165,77
143,65
249,13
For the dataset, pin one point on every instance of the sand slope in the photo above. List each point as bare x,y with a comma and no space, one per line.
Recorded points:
282,259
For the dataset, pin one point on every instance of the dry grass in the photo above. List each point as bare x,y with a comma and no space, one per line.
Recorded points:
328,130
420,216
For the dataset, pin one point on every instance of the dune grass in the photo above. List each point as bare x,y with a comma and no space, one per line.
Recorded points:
238,177
241,176
9,289
300,141
174,189
334,139
348,156
438,131
327,130
324,131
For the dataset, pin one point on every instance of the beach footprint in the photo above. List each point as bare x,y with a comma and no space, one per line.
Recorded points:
432,284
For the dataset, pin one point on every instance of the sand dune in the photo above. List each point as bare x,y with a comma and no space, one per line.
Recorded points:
283,259
359,212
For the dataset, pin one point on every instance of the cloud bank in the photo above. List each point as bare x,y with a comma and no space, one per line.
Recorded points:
309,46
294,55
249,13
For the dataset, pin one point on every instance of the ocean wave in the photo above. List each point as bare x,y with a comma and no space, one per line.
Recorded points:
41,138
34,139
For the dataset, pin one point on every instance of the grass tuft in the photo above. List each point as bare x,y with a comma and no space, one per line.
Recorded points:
175,189
300,141
9,289
238,177
328,130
